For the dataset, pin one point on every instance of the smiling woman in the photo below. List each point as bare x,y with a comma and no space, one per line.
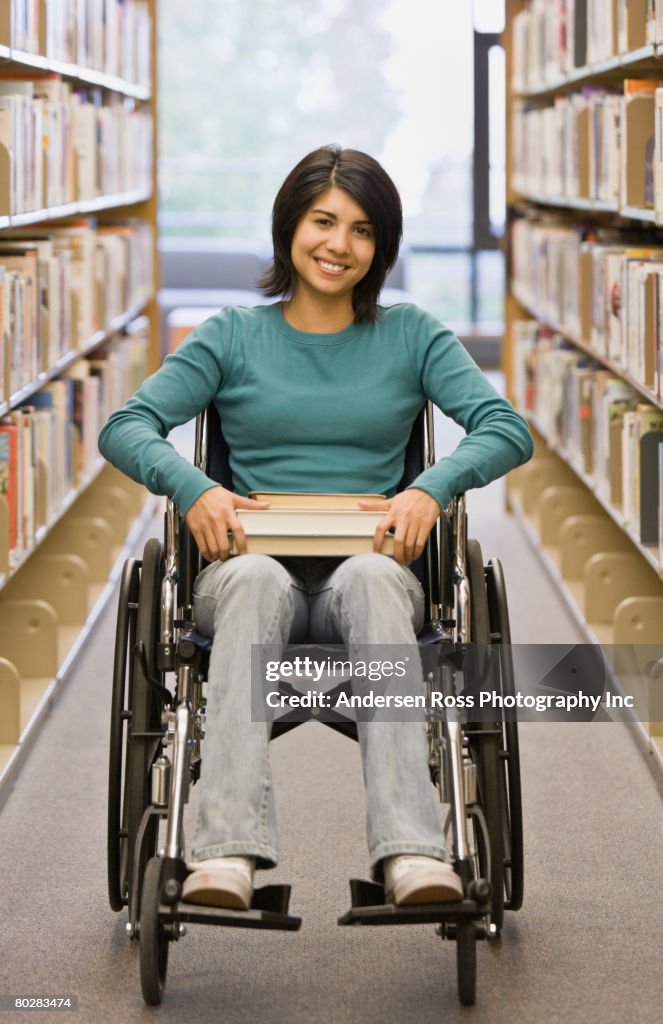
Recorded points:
332,251
317,392
337,207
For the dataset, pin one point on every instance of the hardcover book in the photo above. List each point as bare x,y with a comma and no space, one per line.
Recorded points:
311,531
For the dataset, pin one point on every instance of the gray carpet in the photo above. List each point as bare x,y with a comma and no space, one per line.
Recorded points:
586,945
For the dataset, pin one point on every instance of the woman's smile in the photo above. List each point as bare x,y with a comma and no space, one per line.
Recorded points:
330,268
339,226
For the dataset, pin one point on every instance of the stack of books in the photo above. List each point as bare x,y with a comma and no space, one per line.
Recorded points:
312,524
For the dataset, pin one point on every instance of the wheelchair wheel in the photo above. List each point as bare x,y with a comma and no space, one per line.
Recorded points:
144,730
125,634
509,752
154,941
485,742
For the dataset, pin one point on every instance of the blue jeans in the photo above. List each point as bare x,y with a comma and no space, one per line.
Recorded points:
256,599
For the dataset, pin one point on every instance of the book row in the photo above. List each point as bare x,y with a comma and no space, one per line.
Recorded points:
61,143
111,36
603,287
60,285
552,39
49,445
605,428
597,143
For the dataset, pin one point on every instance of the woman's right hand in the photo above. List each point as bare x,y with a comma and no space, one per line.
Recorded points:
212,515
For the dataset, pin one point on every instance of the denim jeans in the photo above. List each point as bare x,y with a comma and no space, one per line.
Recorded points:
256,599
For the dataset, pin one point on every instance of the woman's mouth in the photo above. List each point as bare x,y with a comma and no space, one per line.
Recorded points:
330,268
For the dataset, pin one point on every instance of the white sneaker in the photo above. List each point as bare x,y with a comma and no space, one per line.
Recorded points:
221,882
416,879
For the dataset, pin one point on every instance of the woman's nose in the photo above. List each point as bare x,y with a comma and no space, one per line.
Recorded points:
337,240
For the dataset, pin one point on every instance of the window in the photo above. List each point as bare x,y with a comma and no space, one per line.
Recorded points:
247,88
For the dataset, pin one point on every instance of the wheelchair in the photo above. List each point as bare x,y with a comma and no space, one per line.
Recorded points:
158,721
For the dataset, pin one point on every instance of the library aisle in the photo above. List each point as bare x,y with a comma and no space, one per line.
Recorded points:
584,946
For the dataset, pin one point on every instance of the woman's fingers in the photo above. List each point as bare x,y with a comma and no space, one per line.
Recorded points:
238,533
411,514
380,531
240,502
211,518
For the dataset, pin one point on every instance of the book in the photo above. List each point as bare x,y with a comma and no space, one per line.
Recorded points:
9,483
611,398
311,531
649,424
296,500
25,261
86,420
632,28
660,503
650,485
4,336
49,294
638,143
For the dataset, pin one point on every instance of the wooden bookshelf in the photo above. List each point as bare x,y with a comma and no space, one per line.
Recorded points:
609,579
57,587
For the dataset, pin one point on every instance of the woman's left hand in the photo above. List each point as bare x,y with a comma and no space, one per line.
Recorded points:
413,514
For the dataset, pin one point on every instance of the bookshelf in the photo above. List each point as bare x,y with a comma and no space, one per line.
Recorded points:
78,328
583,354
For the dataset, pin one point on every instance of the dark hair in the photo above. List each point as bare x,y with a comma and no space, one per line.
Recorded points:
370,186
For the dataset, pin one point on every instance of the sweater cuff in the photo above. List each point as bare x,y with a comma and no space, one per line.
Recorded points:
188,494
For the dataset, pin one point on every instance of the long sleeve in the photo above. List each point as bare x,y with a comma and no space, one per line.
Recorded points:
498,438
134,438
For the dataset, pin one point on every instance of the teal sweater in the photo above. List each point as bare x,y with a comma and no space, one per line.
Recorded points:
316,412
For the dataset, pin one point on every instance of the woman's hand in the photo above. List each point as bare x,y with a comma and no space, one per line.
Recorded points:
413,514
212,515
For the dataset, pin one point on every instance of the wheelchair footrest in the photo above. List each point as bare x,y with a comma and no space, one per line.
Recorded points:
269,909
369,907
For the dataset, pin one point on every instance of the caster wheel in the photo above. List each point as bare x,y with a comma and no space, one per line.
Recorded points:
466,963
153,939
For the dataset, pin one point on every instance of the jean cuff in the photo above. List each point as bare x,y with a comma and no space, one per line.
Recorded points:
401,847
266,856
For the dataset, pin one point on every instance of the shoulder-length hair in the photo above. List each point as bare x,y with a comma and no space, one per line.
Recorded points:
370,186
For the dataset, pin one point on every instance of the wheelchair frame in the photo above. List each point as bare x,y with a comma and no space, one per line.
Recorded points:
156,734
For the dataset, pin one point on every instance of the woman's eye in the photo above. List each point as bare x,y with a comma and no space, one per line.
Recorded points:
322,220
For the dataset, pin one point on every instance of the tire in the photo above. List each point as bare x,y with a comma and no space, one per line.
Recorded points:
510,752
485,744
124,641
479,611
154,943
145,717
466,962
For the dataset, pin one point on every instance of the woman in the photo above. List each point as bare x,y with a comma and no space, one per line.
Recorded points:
316,393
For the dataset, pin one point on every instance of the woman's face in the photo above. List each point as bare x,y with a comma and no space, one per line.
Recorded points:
333,245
